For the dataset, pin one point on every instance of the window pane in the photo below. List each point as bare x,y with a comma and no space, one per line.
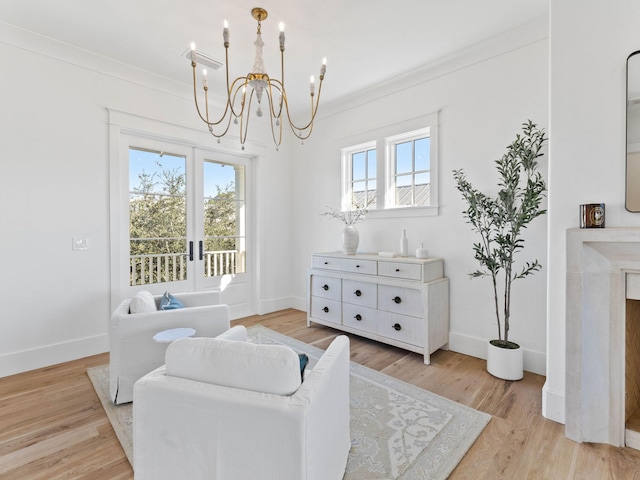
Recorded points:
224,221
422,154
359,186
423,189
358,165
371,195
157,217
371,163
359,193
404,190
404,163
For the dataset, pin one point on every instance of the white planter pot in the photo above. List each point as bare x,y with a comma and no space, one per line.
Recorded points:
505,363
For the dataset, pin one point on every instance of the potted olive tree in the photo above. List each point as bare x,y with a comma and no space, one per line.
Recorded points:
500,221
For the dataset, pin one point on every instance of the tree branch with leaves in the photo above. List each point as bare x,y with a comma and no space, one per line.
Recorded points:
500,220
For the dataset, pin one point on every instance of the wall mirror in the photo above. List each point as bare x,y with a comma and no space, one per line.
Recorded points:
632,198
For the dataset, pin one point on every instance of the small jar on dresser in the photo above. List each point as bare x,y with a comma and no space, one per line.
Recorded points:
399,301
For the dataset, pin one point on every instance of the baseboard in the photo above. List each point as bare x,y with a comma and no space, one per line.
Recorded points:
553,405
26,360
275,304
535,362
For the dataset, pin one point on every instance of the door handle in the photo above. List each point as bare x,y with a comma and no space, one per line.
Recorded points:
191,251
200,246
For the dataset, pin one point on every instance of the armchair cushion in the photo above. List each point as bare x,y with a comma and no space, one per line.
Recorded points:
142,302
248,366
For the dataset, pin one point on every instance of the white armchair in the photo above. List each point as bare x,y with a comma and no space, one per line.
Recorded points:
218,423
134,353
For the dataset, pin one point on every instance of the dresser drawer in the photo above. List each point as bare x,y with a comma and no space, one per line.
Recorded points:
350,265
408,271
362,318
325,309
360,293
405,301
326,287
402,328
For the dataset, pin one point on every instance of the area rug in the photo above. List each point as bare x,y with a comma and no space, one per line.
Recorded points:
398,431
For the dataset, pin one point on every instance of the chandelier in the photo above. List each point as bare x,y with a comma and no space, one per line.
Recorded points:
256,85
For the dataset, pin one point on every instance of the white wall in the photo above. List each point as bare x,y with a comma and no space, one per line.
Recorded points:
55,186
56,169
483,96
590,42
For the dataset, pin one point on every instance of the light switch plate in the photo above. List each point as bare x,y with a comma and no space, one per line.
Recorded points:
80,244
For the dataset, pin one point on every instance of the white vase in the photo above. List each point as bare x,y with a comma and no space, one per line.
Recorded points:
505,363
350,240
404,244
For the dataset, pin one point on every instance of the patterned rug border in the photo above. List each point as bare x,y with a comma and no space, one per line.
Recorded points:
454,439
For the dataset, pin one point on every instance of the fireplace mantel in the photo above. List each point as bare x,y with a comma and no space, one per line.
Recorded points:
597,263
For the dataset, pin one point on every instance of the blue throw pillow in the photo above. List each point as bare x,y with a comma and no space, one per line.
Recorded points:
169,302
304,360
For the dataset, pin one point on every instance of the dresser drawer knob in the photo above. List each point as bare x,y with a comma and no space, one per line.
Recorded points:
325,287
326,263
357,266
325,309
357,293
358,317
397,299
397,327
397,269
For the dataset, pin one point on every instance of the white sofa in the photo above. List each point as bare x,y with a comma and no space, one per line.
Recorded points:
200,428
134,353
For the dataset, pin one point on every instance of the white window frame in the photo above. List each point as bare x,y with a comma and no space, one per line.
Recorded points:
385,138
390,144
347,175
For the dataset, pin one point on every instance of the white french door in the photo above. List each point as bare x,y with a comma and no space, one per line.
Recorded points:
188,225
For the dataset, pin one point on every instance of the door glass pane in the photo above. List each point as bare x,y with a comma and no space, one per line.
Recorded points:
224,251
157,217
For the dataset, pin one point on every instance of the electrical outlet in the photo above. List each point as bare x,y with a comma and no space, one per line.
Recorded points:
80,244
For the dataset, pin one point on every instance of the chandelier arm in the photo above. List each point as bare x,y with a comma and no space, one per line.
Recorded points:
236,89
271,118
195,94
277,84
205,118
244,119
314,111
225,130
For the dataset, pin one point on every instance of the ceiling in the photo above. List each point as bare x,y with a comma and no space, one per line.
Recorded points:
365,42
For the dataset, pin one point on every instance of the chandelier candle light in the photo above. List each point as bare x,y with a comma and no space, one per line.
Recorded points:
258,83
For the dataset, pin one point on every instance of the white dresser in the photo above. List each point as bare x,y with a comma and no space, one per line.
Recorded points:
402,301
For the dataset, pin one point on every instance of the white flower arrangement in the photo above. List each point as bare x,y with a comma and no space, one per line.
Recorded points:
348,217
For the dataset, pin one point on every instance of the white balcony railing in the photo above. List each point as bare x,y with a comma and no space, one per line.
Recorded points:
171,267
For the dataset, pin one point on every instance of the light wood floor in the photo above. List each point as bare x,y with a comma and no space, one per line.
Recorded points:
52,425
